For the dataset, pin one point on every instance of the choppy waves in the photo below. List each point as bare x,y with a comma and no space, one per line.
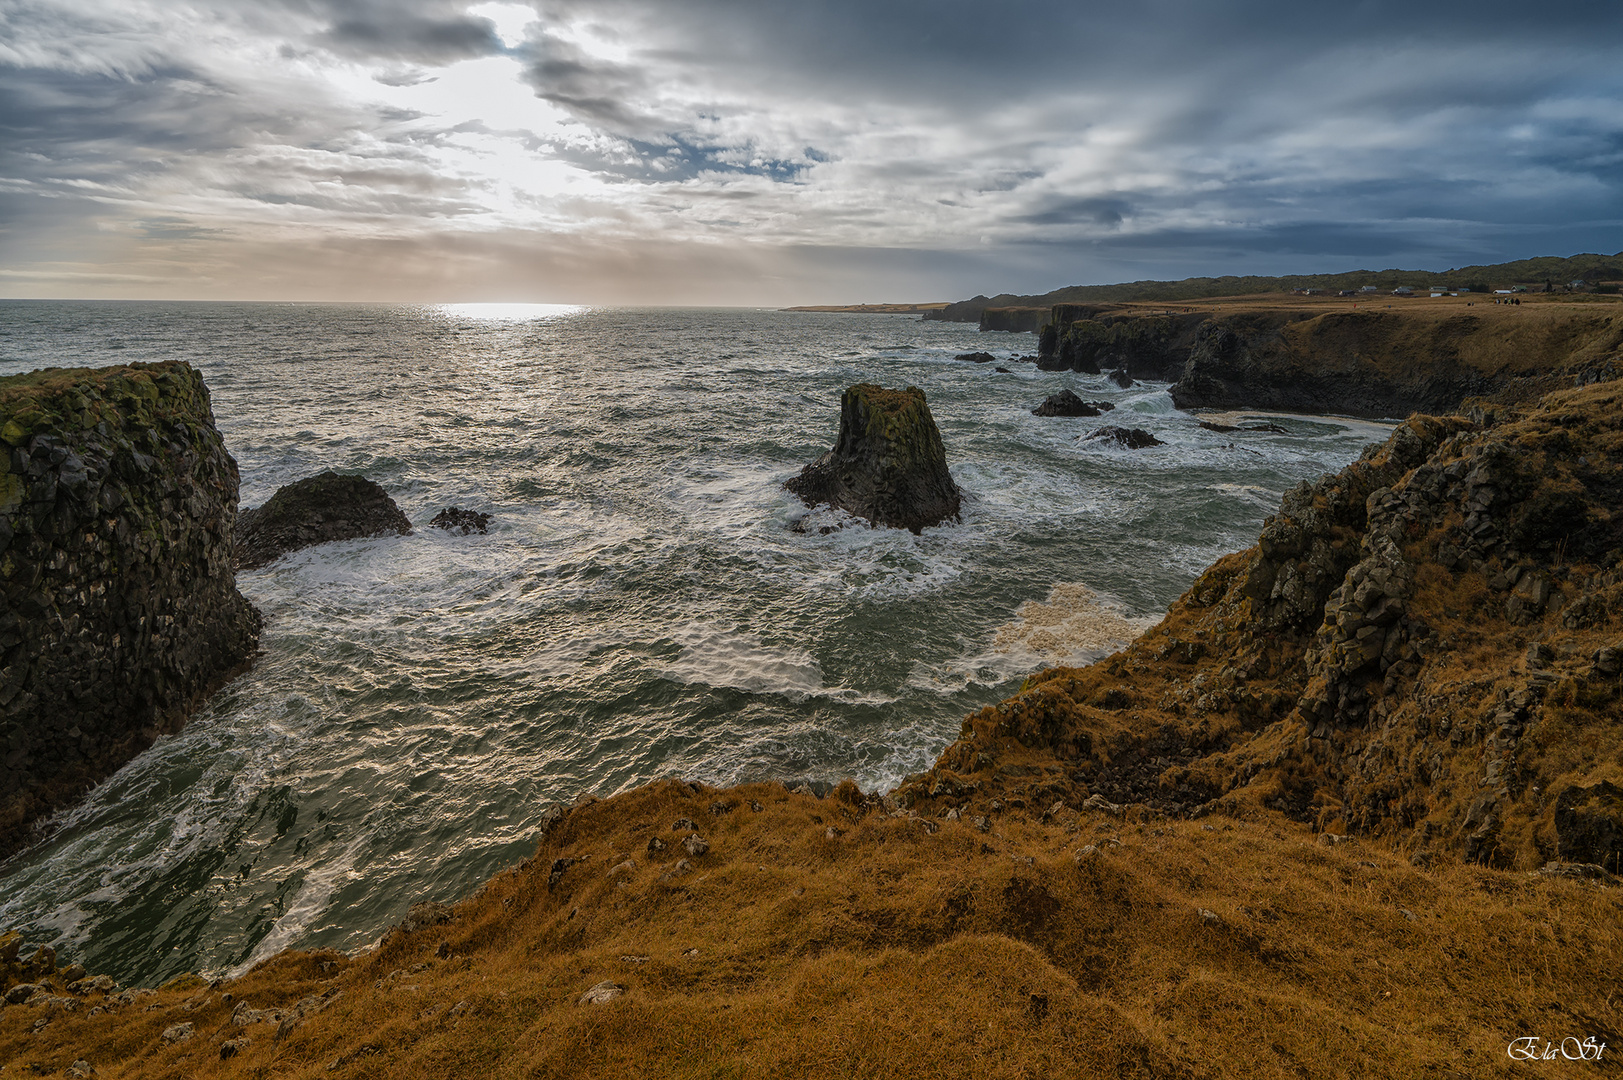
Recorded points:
642,605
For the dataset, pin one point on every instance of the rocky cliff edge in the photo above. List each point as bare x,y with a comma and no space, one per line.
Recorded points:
119,612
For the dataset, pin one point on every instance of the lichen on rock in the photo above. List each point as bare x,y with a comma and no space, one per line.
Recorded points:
888,466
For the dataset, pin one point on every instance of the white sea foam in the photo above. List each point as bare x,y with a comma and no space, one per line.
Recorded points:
1073,626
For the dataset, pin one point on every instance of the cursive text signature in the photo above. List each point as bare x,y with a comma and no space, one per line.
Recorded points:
1533,1048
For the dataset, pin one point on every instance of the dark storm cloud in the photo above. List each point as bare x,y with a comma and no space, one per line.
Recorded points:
425,41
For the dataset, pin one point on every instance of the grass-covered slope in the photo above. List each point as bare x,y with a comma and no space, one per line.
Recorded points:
834,938
1427,647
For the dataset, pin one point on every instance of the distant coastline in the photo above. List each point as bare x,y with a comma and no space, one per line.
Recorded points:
875,309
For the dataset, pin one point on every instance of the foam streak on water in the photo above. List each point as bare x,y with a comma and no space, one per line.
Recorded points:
640,607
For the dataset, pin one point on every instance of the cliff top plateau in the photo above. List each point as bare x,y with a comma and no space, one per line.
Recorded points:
1559,272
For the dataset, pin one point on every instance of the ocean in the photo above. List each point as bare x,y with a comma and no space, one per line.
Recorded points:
649,601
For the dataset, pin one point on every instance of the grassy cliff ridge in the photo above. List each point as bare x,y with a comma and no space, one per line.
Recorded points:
1427,646
1558,270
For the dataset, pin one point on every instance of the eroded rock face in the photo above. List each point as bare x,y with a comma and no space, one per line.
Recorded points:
1589,824
119,611
316,510
888,465
1427,645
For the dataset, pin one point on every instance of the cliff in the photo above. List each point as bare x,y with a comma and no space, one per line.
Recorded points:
1531,273
119,612
1426,647
1384,363
1089,339
1320,356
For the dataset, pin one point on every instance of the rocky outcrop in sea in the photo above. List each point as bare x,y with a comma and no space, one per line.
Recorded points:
1066,403
119,611
888,465
316,510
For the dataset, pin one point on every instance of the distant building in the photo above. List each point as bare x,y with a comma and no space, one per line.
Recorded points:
1403,290
1441,292
1579,284
1505,292
1370,288
1346,292
1518,288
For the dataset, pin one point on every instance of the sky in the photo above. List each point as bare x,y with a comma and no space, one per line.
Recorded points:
771,152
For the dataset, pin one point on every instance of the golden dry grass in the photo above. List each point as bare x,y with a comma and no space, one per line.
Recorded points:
902,946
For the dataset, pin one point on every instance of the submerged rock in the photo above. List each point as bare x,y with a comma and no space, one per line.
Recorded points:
316,510
976,357
1066,403
460,521
1224,429
888,465
1121,378
1132,438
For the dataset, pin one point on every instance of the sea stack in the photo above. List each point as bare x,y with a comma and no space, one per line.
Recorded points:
119,610
888,465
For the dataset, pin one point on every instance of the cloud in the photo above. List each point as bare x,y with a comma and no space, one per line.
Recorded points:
1046,141
425,41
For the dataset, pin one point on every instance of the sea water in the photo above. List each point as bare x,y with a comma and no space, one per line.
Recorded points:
649,600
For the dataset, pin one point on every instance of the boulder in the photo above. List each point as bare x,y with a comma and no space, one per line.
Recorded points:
314,511
1131,438
1589,824
1121,378
460,521
888,465
976,357
1065,403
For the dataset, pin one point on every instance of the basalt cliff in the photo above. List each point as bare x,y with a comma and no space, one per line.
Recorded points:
1376,360
119,611
1351,809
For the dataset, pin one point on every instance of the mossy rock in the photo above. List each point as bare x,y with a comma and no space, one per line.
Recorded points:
888,465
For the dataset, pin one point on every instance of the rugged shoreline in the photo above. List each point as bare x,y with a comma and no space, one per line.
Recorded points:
1387,731
1372,362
